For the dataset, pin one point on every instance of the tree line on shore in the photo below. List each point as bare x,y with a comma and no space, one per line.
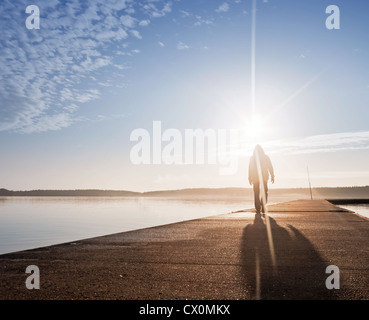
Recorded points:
322,192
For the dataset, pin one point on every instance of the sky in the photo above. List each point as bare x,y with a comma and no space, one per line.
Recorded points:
82,97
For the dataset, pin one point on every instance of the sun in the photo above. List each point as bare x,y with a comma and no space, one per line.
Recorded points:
255,127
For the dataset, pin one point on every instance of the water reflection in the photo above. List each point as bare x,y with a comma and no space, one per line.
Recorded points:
361,209
30,222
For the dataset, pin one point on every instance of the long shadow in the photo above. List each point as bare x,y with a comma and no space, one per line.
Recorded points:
299,270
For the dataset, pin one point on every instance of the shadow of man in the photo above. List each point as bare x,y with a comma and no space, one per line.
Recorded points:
297,271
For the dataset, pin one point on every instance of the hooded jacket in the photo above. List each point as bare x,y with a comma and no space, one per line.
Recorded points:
265,166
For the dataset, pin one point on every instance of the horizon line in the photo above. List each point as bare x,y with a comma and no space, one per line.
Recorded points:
184,189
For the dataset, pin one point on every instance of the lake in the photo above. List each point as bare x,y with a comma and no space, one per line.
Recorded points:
32,222
362,209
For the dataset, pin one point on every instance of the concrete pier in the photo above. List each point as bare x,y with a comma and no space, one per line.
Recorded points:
239,255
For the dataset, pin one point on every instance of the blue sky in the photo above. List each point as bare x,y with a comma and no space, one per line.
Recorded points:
72,91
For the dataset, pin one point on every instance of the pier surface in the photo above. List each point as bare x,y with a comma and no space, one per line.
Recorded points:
239,255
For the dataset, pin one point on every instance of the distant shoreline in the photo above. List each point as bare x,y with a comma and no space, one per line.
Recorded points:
338,195
348,201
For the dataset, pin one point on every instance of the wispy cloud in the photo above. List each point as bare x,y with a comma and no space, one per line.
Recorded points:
144,23
182,46
151,8
333,142
48,74
325,143
51,123
198,20
128,21
224,7
185,14
136,34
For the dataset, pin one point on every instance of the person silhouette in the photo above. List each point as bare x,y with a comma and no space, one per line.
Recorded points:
260,167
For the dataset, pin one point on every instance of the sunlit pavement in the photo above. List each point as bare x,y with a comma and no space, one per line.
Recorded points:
221,257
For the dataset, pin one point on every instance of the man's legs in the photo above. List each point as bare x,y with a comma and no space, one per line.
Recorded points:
257,196
264,197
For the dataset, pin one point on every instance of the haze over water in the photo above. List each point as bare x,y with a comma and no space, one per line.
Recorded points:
30,222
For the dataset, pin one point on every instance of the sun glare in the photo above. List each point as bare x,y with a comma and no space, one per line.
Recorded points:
254,127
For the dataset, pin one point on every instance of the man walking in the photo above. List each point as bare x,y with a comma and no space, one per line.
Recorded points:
259,169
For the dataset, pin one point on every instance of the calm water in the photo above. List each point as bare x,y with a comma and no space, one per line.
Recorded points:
32,222
362,209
